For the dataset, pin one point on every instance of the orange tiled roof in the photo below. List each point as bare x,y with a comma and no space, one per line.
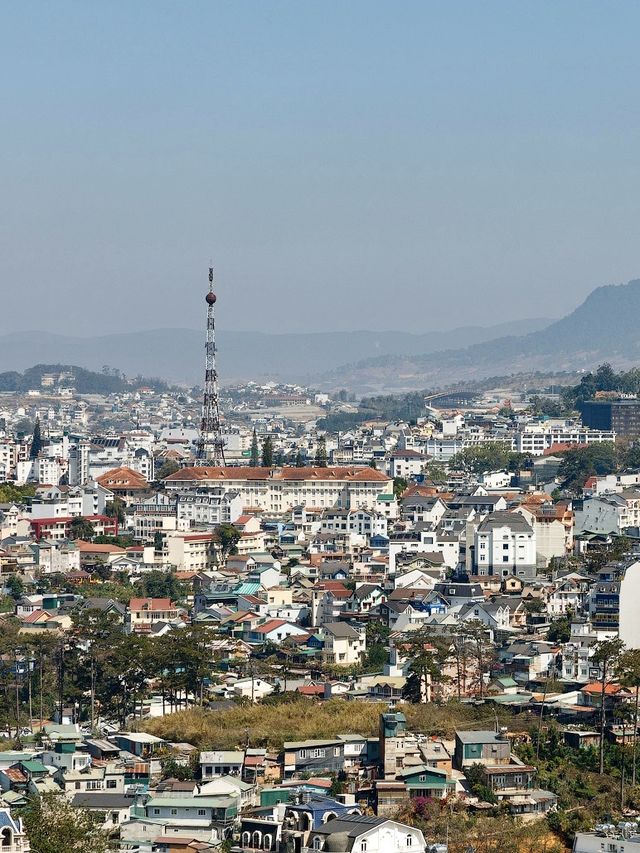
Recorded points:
151,604
123,478
364,474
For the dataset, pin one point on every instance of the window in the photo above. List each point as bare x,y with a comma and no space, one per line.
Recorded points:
317,842
302,753
363,846
202,812
336,751
156,811
111,783
174,811
409,840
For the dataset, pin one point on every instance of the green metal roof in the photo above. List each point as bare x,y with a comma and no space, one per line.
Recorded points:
247,588
33,766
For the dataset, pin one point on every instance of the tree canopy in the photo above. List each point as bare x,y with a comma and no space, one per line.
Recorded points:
487,457
579,463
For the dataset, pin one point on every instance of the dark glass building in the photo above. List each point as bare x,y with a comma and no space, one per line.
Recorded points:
621,416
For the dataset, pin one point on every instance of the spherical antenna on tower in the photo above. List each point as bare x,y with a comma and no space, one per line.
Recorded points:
211,297
210,444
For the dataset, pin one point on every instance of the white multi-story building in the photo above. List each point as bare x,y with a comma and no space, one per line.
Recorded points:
553,526
211,507
278,490
570,595
79,462
535,439
191,552
609,839
361,522
609,513
505,544
406,463
344,644
576,653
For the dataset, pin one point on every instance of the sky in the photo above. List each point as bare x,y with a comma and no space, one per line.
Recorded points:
361,165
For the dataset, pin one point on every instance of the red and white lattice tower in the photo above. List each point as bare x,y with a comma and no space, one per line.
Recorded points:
210,446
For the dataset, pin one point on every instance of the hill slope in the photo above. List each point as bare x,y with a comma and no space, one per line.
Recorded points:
603,328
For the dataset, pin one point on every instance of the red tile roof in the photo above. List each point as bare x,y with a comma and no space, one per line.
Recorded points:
151,604
271,625
363,474
37,616
595,688
311,690
98,548
123,478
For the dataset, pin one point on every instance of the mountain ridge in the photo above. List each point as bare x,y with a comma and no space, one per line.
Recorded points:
603,327
177,354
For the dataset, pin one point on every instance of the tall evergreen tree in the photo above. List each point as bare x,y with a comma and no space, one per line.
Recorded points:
36,440
255,452
267,452
321,453
299,460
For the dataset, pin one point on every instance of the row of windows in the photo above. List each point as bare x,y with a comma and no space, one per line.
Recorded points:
318,753
174,812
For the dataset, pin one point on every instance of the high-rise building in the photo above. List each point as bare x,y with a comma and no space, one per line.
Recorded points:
619,416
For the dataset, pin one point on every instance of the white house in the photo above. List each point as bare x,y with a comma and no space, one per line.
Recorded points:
343,644
609,513
406,463
571,593
252,688
221,763
360,834
505,544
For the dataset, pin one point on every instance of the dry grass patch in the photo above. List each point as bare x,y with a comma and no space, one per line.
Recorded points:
270,725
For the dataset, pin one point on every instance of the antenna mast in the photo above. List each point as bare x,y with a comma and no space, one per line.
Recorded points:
210,446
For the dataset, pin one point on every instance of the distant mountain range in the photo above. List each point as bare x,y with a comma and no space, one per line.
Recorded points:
177,355
605,327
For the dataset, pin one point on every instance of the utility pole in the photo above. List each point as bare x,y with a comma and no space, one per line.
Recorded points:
544,696
61,682
93,693
17,684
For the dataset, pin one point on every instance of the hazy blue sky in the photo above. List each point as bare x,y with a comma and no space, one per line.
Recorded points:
383,165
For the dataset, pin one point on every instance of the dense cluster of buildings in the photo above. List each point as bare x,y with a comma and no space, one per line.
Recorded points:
345,558
255,799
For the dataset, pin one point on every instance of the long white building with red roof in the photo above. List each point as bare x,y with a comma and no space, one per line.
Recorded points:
276,490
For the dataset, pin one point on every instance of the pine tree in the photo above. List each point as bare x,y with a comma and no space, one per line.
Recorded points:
267,452
36,440
299,460
320,460
255,452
